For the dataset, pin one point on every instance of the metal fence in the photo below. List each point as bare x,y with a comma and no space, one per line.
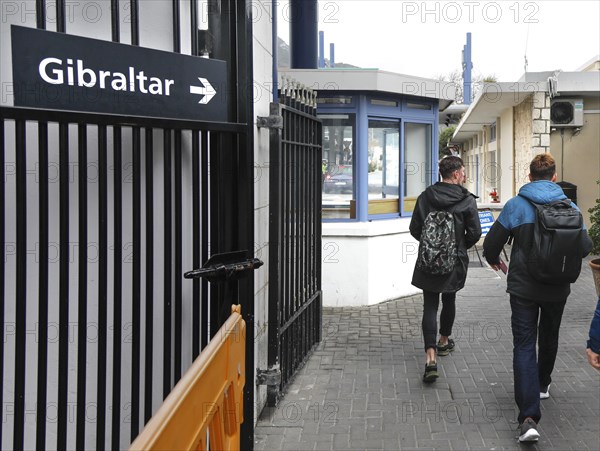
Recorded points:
100,217
94,245
295,300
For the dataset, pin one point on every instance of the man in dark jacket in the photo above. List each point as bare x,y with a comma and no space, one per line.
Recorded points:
447,195
529,298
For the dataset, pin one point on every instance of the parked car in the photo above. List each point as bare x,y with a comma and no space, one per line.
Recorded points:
338,180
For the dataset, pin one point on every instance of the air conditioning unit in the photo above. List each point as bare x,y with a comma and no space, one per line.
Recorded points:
566,112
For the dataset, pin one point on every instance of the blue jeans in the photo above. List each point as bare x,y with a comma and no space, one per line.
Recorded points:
531,370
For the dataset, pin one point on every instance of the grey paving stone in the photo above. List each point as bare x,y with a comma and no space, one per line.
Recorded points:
362,388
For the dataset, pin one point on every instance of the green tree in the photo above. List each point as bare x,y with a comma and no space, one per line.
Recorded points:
444,138
594,231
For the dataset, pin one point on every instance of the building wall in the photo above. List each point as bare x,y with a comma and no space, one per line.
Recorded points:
523,132
540,139
578,161
262,92
368,262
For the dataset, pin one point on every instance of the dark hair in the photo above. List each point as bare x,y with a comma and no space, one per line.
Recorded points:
450,164
542,167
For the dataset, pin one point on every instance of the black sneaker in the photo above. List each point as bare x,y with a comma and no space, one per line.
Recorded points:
431,372
529,431
445,349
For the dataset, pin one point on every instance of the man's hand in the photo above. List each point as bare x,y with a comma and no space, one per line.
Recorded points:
593,358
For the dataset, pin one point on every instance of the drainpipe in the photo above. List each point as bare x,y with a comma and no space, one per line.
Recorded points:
467,67
331,55
321,50
304,20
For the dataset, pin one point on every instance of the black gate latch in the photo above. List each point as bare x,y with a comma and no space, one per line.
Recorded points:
230,265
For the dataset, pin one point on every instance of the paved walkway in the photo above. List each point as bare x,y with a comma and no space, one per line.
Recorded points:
361,389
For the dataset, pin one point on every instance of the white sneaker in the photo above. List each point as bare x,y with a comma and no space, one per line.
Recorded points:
545,392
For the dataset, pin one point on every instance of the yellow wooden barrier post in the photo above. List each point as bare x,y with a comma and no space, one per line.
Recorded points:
207,403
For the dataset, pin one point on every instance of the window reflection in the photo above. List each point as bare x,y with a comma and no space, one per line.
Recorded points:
384,159
338,164
417,162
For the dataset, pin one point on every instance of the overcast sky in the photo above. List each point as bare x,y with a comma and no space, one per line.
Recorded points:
426,38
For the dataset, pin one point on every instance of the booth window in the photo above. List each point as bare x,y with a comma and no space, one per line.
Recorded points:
381,102
338,164
343,100
417,162
384,159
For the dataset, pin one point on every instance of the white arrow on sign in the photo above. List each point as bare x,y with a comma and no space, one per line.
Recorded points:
207,90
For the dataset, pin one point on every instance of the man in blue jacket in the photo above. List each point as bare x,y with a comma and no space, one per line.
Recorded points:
529,298
593,344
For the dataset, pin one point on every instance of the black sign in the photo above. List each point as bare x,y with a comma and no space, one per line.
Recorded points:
60,71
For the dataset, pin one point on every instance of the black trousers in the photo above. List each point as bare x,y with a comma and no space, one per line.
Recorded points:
430,309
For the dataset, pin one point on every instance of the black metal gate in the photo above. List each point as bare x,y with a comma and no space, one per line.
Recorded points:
100,217
295,300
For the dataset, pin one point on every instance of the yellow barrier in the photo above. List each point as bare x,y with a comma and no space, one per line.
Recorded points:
206,405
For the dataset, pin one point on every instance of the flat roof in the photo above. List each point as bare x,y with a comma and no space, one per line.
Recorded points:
493,99
496,97
373,80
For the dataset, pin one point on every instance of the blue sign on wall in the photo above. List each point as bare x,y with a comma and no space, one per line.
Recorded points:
486,219
59,71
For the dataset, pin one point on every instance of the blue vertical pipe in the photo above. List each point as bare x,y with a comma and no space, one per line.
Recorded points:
467,67
331,55
321,50
304,20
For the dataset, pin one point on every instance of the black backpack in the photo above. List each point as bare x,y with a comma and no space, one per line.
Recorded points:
556,249
437,249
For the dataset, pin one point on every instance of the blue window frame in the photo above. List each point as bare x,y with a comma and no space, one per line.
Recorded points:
392,151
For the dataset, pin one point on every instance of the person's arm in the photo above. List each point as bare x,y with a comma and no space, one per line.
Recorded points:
494,242
416,221
472,225
593,344
587,244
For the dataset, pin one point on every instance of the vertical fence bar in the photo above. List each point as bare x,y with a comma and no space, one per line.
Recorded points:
82,295
215,170
42,370
114,21
21,285
194,27
61,16
149,346
63,332
102,286
302,236
117,286
176,27
196,308
178,257
167,271
135,22
135,300
2,267
40,14
204,177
